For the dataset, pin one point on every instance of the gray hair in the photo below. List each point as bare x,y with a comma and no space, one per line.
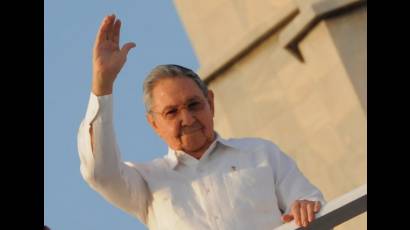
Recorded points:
169,71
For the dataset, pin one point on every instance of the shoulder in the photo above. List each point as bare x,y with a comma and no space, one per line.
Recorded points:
251,143
145,168
258,148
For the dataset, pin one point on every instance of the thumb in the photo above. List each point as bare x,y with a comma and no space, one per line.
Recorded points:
287,218
126,48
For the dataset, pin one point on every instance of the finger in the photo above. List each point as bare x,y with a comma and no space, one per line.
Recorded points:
296,213
102,32
126,48
317,206
110,32
287,218
310,211
303,214
116,36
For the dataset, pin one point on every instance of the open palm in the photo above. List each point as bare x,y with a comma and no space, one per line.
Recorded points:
108,58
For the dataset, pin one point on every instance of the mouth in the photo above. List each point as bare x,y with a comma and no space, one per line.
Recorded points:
191,129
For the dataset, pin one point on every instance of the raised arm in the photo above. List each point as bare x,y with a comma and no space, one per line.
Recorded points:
102,168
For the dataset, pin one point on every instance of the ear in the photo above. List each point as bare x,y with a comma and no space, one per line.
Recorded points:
211,101
151,122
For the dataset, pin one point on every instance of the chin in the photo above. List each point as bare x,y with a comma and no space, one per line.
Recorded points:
195,144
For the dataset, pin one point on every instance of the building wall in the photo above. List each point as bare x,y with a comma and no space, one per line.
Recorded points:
314,109
215,25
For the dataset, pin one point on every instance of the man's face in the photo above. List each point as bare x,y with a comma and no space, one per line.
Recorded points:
182,116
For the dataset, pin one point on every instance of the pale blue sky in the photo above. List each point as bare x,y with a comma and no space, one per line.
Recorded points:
70,29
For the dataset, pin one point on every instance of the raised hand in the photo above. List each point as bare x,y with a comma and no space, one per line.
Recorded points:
108,58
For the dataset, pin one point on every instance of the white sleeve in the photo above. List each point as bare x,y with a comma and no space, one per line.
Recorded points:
291,184
118,182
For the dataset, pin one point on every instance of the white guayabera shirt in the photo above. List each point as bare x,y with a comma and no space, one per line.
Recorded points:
237,184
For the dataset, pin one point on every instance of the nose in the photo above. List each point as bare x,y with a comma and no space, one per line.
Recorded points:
186,118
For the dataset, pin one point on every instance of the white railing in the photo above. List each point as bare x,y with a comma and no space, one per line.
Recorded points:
336,211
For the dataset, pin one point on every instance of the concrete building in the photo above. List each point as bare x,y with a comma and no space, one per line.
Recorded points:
294,72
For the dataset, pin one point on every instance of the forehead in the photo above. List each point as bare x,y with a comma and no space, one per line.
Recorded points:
174,91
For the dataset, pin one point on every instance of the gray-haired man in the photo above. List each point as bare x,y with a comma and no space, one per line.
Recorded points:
205,181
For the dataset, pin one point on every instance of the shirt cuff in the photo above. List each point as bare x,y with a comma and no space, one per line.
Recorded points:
99,109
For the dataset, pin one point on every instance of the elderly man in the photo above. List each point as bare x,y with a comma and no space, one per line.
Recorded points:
205,181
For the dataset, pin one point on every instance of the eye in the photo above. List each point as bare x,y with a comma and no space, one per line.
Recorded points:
194,106
171,113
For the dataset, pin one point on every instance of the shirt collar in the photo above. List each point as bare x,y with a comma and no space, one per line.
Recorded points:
177,156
